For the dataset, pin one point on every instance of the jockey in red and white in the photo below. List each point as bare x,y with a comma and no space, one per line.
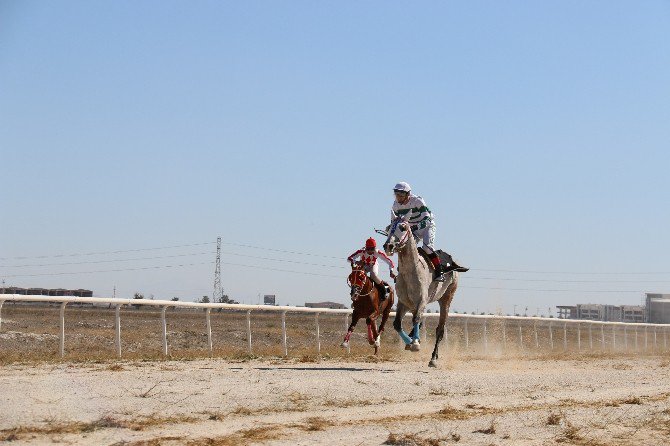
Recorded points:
369,256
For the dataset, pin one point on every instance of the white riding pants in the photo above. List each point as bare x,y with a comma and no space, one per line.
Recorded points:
374,272
427,236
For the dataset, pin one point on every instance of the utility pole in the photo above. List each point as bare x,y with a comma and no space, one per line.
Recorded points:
217,295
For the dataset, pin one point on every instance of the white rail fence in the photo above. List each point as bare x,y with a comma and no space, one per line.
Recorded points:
593,331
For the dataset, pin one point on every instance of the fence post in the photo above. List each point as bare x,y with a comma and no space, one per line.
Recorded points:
590,336
645,338
579,336
164,324
208,319
346,329
636,339
520,337
249,330
504,336
467,340
665,339
283,332
62,329
551,336
654,338
424,324
318,339
565,336
486,344
118,329
613,337
537,342
625,338
602,336
1,302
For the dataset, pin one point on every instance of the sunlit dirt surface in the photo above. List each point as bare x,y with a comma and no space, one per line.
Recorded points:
585,399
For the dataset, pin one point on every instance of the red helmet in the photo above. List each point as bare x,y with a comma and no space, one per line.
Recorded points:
370,243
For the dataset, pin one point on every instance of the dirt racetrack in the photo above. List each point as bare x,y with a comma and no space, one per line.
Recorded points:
585,400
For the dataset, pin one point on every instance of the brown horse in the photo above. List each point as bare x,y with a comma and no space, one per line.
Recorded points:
365,297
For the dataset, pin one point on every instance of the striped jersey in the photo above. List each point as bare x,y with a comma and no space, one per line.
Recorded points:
415,211
371,259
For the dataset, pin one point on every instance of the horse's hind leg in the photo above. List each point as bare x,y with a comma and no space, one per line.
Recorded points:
397,323
445,303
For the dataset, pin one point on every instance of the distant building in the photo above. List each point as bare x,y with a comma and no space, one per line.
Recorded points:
608,313
567,311
633,313
658,308
331,305
46,292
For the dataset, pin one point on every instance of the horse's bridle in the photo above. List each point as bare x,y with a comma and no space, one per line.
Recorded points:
400,244
356,289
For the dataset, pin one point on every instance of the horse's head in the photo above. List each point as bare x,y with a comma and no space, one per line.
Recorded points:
398,235
356,279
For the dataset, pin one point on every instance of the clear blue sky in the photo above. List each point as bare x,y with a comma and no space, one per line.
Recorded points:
537,132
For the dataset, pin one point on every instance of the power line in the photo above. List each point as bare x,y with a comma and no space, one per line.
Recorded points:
590,273
283,250
293,252
107,261
310,274
104,252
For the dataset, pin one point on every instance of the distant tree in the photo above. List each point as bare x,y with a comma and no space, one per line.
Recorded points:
175,299
225,299
204,300
138,296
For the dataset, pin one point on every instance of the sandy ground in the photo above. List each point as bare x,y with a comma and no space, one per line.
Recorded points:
586,401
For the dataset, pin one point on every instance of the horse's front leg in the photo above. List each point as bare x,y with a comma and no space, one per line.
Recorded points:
397,323
416,326
354,319
372,331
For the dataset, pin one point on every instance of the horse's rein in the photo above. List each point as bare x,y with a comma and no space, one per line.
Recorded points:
358,289
403,241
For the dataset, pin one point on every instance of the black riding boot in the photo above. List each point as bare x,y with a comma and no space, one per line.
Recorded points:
381,288
439,273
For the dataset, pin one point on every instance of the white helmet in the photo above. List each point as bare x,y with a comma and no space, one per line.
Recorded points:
402,187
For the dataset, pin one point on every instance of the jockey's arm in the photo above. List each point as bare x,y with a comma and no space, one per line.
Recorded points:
354,256
386,259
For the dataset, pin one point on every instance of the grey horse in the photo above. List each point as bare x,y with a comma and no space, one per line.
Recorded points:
415,288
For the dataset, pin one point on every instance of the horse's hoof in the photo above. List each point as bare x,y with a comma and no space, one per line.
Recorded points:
378,342
432,363
415,347
408,347
344,345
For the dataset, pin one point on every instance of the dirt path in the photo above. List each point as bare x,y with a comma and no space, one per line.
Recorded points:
592,401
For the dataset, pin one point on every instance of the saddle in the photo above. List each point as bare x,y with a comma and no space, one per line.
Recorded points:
445,259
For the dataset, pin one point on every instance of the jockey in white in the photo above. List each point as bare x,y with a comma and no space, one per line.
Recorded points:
369,256
414,210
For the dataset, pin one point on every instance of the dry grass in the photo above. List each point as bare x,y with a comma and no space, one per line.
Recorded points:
554,419
450,413
245,436
491,429
317,424
115,368
412,440
53,427
347,403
